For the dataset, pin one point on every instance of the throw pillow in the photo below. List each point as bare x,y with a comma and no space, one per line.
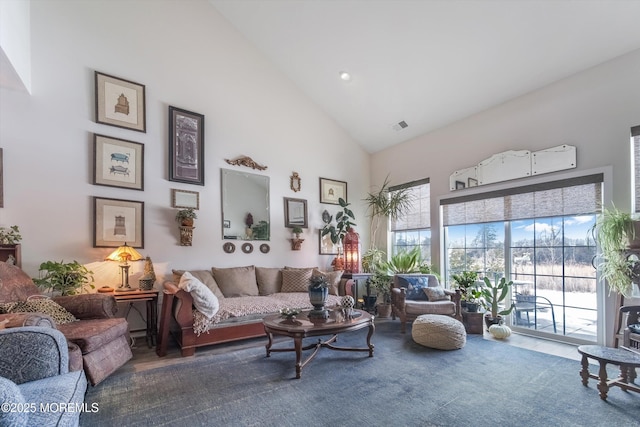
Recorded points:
237,281
269,280
435,293
203,299
333,277
204,276
414,286
296,280
43,305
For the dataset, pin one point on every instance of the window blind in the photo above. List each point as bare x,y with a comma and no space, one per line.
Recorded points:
419,216
575,196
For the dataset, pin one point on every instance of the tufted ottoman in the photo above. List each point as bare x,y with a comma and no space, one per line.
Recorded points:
437,331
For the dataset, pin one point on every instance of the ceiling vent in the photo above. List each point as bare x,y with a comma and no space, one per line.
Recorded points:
400,125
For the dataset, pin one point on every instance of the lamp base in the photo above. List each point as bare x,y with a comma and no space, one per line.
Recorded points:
125,289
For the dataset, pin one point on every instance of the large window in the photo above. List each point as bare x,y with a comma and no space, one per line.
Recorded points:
413,229
635,140
538,236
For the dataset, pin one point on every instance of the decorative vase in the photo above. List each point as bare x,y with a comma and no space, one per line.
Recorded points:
318,297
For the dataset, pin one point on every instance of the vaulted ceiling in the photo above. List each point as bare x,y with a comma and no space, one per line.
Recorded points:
429,63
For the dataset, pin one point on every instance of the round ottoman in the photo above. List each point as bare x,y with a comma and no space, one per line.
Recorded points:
437,331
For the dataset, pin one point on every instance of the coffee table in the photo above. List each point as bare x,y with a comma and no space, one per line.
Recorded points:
627,361
302,327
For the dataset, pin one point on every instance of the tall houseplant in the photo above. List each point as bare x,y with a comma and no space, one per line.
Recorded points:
615,231
66,278
384,204
493,297
344,221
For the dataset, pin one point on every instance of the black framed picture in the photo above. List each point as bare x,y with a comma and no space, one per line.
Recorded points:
186,146
118,162
116,222
120,102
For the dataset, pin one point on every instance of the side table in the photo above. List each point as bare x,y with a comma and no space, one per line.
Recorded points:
473,322
151,319
625,359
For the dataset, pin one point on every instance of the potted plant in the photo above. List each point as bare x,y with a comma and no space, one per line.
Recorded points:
10,236
404,262
383,205
371,258
493,296
296,230
381,282
318,293
465,281
186,216
66,278
615,232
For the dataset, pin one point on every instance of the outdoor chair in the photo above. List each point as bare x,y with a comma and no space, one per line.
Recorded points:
527,304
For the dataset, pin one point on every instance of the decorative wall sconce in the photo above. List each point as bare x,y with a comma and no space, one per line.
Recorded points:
186,235
296,182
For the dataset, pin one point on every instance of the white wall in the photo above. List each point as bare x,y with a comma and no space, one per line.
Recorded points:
593,110
15,41
189,57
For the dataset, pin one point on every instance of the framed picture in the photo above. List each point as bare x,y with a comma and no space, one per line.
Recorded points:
116,222
118,163
226,223
185,199
331,191
459,185
326,245
186,146
120,102
295,212
472,182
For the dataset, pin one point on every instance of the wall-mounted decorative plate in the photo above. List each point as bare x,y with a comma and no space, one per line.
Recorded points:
247,248
264,248
229,247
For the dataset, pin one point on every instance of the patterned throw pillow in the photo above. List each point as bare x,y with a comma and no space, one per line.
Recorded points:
58,313
414,286
296,280
333,277
435,293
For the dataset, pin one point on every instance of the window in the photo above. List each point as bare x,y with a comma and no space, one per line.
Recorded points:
538,236
413,229
635,137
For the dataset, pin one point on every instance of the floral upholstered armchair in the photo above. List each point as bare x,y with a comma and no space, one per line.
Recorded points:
97,341
413,295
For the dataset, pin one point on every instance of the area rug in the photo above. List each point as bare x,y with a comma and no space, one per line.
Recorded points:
404,384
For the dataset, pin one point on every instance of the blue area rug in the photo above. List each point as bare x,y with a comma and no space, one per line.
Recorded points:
404,384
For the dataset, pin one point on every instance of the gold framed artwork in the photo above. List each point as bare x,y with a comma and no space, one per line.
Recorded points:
116,222
185,199
118,163
120,102
331,191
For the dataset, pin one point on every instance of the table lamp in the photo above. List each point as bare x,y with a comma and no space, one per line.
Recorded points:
124,254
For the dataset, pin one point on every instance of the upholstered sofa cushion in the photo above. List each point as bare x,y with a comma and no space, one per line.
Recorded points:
269,280
93,334
435,293
203,299
236,281
10,394
205,276
414,307
296,280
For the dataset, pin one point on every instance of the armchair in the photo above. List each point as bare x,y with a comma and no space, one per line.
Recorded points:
409,300
101,338
33,373
629,321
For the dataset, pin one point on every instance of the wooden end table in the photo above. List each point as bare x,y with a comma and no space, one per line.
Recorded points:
627,361
473,322
303,327
151,319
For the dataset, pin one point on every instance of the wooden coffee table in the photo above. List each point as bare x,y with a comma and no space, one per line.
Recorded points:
303,327
627,361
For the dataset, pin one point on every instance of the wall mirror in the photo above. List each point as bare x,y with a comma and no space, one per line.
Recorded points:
245,205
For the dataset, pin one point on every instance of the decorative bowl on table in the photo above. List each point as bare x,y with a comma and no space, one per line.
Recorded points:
289,313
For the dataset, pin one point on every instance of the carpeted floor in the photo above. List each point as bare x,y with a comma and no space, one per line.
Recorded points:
404,384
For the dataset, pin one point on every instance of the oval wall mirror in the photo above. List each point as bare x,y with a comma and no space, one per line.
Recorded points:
245,205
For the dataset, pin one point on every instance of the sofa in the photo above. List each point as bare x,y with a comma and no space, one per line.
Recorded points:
243,296
97,341
413,295
36,387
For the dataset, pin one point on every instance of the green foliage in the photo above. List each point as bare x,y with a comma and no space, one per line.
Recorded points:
261,230
494,295
10,236
403,262
372,259
296,230
344,220
317,282
381,283
466,282
66,278
384,204
185,213
614,229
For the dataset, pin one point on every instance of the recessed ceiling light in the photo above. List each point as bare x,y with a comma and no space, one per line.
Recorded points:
345,76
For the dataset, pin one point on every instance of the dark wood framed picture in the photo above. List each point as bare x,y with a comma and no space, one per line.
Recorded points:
120,102
118,162
295,213
186,146
331,191
116,222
